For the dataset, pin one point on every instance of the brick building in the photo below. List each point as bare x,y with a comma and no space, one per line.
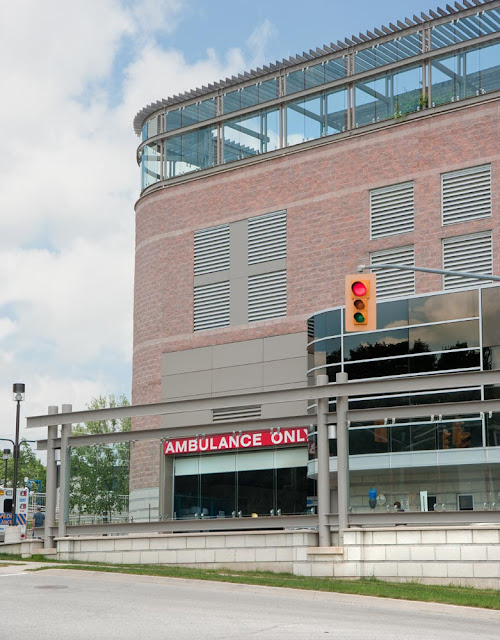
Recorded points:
260,192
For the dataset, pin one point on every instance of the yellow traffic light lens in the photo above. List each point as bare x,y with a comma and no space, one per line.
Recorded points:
359,317
359,288
359,304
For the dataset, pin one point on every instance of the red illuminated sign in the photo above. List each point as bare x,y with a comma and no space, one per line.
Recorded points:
246,440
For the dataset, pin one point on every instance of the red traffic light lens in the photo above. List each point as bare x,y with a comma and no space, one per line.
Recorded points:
359,317
359,288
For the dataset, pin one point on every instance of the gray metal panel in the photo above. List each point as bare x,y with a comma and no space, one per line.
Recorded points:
237,353
285,346
267,267
187,361
239,248
236,378
185,385
211,278
283,409
238,292
285,371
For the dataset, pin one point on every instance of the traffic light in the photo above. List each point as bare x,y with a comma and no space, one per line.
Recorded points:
361,302
446,435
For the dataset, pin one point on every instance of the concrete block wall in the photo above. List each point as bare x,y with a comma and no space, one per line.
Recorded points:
266,551
467,556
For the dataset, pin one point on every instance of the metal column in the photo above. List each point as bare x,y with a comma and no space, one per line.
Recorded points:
342,459
323,453
50,489
64,474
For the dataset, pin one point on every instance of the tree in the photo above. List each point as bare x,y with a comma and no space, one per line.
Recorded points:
29,466
100,473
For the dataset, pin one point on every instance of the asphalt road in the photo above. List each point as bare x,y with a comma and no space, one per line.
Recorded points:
74,605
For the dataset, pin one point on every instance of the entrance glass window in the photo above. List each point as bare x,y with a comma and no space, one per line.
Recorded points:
243,483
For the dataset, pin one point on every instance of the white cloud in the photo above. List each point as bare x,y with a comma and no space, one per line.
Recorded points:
69,181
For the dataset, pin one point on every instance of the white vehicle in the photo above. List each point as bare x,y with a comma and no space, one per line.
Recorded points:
6,496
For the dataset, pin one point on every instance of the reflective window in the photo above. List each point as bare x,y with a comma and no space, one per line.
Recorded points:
305,120
490,301
327,324
392,95
190,151
327,352
151,164
392,314
336,111
366,346
466,74
452,306
456,335
251,135
378,368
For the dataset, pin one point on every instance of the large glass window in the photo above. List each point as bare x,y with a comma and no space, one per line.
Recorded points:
251,135
151,164
190,151
246,483
305,119
466,74
392,95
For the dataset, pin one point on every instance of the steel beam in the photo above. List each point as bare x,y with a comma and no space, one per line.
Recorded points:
349,389
323,453
342,460
183,431
202,525
64,475
50,486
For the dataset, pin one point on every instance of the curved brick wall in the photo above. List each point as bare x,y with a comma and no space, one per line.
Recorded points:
325,190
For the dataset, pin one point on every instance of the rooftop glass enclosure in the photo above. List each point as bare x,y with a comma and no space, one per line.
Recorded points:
442,457
384,78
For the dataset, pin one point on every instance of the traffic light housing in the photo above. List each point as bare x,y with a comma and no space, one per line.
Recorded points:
361,302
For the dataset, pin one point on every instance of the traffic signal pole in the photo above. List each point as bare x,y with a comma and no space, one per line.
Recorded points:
444,272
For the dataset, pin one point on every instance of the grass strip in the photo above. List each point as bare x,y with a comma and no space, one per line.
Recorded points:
461,596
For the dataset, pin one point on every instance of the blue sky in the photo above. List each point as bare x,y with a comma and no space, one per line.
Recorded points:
74,76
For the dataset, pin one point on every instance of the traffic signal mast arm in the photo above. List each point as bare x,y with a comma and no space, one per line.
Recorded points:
445,272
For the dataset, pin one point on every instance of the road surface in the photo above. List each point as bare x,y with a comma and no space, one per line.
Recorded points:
72,605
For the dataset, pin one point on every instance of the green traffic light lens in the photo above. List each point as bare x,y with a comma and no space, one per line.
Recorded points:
359,317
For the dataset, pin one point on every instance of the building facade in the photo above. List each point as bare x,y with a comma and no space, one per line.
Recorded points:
260,192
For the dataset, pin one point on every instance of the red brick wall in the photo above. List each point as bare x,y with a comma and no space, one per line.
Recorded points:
325,191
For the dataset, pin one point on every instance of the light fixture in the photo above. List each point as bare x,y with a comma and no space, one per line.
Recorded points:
18,391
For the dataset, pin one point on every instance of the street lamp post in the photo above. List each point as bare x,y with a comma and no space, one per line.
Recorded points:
18,390
6,456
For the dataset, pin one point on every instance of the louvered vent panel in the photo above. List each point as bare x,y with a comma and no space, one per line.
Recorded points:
267,237
391,210
394,282
472,254
211,306
236,413
466,194
266,296
211,250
